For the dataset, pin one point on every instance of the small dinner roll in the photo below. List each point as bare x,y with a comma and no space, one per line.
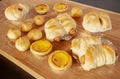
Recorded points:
16,11
76,12
22,44
42,8
60,60
26,26
39,20
60,7
41,47
34,34
96,22
13,33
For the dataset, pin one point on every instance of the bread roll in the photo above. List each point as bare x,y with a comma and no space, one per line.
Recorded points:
92,53
60,60
34,34
76,12
96,22
16,11
39,20
26,26
14,33
60,27
22,44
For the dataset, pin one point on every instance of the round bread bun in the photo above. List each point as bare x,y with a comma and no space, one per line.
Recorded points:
96,22
76,12
16,11
60,60
60,7
26,26
22,44
14,33
34,34
41,8
41,47
39,20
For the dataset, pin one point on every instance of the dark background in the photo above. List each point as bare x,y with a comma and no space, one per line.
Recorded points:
8,70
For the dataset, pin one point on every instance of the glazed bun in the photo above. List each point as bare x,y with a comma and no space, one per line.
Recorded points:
16,11
96,22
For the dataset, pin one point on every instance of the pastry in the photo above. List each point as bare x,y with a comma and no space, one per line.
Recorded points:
76,12
22,44
91,53
41,8
34,34
60,7
14,33
96,22
26,26
60,60
16,11
39,20
41,47
60,28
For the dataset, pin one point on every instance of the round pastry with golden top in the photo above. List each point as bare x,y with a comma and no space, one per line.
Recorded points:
14,33
60,60
42,8
96,22
60,7
26,26
34,34
39,20
76,12
22,44
41,47
16,11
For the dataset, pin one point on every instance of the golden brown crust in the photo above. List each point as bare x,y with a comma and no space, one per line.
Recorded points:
96,22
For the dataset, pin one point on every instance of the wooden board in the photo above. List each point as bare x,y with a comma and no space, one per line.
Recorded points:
38,66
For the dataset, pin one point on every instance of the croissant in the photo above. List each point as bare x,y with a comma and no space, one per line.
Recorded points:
60,27
92,53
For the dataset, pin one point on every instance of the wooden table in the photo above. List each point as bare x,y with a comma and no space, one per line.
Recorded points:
38,66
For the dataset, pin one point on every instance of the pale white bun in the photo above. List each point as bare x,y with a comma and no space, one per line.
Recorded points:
61,27
41,47
16,11
34,34
22,44
92,53
96,22
14,33
60,60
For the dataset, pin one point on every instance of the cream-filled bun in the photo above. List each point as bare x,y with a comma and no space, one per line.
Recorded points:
14,33
41,47
96,22
22,44
26,26
60,60
34,34
39,20
16,11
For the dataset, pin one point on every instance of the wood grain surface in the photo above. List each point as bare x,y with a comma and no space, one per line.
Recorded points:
38,66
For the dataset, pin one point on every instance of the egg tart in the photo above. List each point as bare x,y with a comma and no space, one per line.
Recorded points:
42,8
60,60
41,47
60,7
